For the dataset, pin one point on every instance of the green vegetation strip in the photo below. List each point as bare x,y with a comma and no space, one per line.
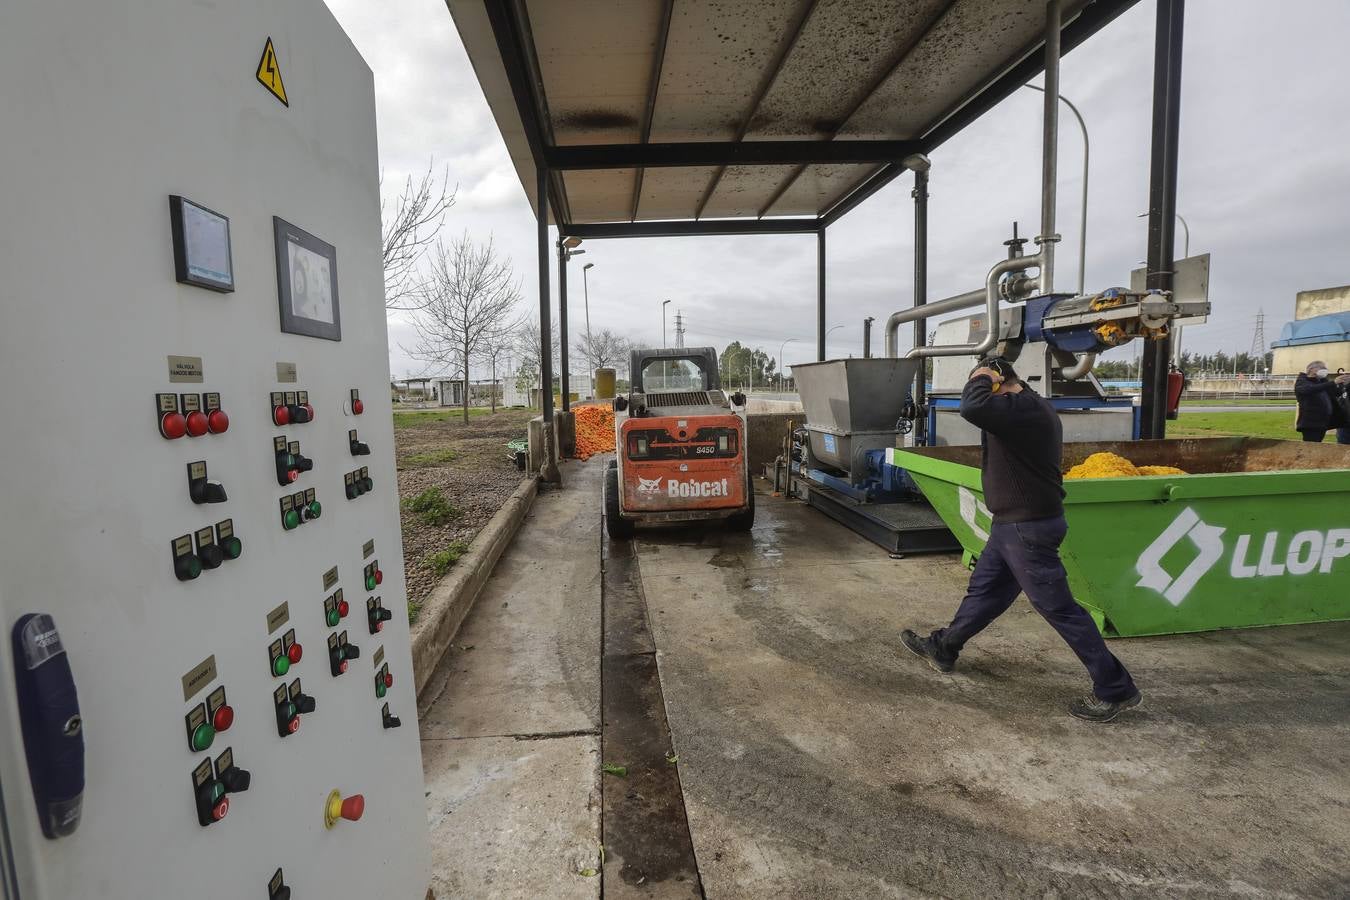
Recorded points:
428,459
441,561
1278,425
432,507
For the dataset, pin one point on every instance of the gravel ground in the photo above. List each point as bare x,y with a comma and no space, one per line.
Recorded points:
476,482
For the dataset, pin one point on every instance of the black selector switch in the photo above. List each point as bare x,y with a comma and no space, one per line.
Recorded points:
235,780
377,616
200,489
389,719
277,889
290,462
304,703
208,551
357,447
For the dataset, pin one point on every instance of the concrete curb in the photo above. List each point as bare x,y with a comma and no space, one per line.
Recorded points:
451,600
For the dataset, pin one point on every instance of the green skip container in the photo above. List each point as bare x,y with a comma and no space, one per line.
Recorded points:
1257,534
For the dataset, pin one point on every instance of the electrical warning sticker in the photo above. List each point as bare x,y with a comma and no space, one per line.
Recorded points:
269,73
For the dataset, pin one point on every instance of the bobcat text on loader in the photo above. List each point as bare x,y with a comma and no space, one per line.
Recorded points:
680,442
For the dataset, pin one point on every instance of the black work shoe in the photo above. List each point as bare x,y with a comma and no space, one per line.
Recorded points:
929,650
1095,710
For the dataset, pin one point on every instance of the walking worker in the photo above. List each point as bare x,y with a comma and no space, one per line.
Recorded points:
1317,409
1022,442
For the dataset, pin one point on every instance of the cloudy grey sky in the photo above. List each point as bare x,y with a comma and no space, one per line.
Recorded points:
1264,183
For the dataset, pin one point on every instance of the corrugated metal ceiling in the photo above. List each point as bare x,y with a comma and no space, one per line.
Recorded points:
627,72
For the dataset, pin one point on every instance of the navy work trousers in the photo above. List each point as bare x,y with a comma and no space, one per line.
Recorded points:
1023,557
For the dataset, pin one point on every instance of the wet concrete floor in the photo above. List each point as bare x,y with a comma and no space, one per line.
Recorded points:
817,758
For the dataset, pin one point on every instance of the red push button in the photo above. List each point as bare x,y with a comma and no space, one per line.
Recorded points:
358,407
196,423
353,807
379,577
217,422
172,425
295,653
221,809
281,415
223,718
388,680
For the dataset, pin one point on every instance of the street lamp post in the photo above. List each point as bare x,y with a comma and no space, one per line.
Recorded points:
1082,229
567,248
830,329
780,358
664,304
590,348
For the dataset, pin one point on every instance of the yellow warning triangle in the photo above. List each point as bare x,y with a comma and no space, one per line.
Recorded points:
269,73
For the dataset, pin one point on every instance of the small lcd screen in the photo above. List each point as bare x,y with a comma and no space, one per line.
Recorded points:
201,245
307,283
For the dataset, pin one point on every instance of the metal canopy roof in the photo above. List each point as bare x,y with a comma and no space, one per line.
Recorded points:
657,117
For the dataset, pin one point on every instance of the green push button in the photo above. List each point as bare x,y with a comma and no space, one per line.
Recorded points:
280,666
290,520
217,791
203,736
379,687
232,547
333,618
370,582
315,509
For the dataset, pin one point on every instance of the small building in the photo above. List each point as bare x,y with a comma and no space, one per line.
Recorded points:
1320,330
451,392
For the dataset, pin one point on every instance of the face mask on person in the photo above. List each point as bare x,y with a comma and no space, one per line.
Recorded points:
1322,373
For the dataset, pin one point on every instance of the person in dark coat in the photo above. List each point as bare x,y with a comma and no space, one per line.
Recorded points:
1317,409
1022,444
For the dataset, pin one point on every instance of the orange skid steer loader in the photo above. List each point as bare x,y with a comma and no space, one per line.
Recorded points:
679,446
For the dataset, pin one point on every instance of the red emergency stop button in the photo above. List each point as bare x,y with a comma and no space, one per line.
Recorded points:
223,718
172,425
295,653
196,423
336,808
217,422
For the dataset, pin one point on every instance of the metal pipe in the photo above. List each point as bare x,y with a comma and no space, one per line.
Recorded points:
867,337
952,304
1082,218
991,298
1080,368
820,295
1047,239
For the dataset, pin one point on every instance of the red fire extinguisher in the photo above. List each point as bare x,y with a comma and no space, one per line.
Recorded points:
1176,383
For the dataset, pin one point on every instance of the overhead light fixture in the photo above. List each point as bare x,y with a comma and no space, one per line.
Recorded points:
572,242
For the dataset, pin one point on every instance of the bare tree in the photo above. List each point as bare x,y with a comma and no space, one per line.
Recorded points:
605,348
497,346
471,294
527,347
418,215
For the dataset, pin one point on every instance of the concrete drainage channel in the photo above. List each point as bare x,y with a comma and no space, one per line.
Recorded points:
645,832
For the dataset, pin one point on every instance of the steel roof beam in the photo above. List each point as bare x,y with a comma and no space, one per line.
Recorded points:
1032,63
730,153
897,61
691,228
774,70
662,38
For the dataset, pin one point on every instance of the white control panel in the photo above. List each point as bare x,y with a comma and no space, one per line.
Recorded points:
205,681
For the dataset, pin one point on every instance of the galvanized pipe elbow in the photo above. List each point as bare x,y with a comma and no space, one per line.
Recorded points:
991,298
1080,368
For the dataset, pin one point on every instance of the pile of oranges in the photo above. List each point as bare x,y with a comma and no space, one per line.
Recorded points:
595,429
1111,465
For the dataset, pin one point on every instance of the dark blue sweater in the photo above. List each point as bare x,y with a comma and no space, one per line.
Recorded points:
1022,441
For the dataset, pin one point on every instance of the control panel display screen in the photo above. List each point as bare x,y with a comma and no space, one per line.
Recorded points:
306,283
201,245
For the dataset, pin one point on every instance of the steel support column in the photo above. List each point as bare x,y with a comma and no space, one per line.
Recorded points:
1162,205
562,324
920,195
820,295
549,469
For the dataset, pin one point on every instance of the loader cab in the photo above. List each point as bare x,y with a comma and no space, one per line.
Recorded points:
680,445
